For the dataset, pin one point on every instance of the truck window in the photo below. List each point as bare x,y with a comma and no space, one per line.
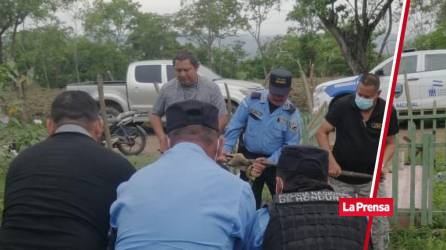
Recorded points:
148,73
170,72
435,62
408,64
387,69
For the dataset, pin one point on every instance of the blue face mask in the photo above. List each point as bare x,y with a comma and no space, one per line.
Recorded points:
363,103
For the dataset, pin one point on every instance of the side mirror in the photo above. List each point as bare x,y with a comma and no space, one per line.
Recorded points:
380,72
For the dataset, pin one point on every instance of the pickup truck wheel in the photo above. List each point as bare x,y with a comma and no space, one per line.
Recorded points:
112,112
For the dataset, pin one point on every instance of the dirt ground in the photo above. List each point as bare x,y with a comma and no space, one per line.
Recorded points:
152,146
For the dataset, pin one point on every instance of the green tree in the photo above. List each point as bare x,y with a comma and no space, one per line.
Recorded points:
206,21
312,48
70,58
441,16
228,60
153,36
436,38
419,10
111,21
433,40
351,23
14,12
256,12
50,65
94,58
328,60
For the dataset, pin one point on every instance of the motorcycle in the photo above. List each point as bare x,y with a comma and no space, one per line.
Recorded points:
126,133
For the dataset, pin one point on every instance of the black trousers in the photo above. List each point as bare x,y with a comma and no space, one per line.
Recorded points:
268,176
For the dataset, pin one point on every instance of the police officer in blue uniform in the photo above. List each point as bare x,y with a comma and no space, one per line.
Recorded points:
267,121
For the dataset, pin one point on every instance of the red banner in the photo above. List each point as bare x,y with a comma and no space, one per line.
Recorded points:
366,206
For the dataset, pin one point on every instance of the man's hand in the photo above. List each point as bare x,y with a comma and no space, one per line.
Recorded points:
257,169
223,157
164,146
334,170
157,126
261,160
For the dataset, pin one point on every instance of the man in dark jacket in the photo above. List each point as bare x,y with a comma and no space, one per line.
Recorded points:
58,192
304,213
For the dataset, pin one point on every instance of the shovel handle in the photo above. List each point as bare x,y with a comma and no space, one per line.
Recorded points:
343,173
356,174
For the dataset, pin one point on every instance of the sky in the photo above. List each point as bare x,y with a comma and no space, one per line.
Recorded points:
274,25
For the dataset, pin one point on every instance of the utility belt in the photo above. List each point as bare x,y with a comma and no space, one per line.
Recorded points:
249,155
242,149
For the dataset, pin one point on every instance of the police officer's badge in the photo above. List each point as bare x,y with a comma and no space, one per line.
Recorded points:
254,113
294,127
280,80
281,120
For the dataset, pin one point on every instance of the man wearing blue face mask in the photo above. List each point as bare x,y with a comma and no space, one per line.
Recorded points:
357,120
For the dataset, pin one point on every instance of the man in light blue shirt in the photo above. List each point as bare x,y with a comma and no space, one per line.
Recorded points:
185,200
268,121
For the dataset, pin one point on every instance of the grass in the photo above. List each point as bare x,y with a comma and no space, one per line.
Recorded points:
266,196
418,238
142,160
426,238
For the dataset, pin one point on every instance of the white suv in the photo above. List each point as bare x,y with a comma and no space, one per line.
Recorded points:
426,75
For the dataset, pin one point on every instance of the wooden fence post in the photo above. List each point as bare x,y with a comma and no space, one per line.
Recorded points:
100,84
307,88
228,102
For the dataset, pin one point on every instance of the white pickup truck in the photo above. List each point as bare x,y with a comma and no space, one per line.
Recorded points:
426,78
139,92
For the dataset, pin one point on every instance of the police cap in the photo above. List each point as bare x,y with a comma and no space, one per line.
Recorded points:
308,161
191,112
280,81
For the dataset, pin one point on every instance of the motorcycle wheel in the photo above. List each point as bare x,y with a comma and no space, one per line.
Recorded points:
135,140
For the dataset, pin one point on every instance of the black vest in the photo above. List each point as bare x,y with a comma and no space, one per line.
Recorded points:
310,220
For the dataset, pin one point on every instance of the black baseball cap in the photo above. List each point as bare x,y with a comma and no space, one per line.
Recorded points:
280,81
302,160
191,112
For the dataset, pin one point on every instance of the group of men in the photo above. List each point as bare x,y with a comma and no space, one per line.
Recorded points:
68,192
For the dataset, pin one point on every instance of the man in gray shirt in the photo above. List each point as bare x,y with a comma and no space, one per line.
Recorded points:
187,85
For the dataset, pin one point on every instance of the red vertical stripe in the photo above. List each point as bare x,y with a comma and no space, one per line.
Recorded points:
389,102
